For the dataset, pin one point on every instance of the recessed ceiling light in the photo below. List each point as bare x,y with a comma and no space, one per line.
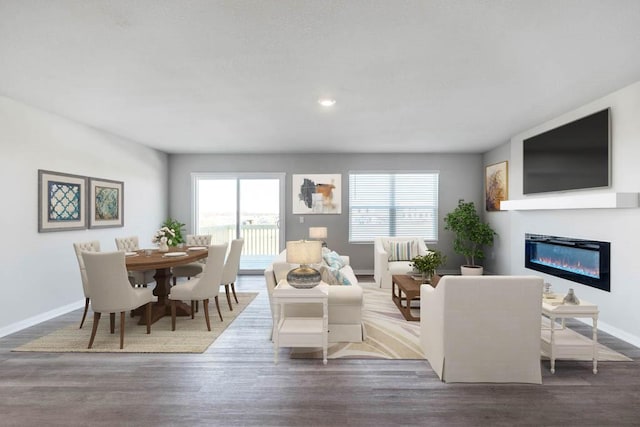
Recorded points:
326,102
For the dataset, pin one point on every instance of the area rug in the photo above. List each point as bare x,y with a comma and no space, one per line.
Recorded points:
390,336
190,336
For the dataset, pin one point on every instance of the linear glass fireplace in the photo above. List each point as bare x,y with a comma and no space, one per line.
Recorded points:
581,261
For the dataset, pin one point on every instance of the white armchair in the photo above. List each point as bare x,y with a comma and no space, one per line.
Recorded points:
389,261
483,328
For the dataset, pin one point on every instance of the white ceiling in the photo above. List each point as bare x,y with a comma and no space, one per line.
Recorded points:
242,76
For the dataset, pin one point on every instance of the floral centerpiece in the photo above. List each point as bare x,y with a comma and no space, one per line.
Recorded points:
170,233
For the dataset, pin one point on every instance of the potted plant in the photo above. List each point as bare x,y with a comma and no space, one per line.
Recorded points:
427,264
471,235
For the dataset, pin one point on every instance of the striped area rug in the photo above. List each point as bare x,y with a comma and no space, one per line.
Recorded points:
390,336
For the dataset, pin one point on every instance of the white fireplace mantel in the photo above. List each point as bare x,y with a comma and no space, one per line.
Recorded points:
575,201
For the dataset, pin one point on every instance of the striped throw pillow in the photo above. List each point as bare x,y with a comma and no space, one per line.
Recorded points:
402,251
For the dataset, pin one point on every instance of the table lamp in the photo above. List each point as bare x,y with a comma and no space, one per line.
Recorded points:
304,252
319,233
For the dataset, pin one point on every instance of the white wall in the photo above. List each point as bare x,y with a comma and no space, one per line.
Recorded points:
499,221
40,271
619,309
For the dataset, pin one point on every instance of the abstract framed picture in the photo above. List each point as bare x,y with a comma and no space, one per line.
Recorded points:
317,193
106,203
61,201
496,185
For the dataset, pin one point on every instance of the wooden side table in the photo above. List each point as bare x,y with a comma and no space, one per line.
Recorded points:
557,343
300,331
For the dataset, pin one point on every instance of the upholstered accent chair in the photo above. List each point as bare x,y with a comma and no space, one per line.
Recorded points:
230,271
111,291
130,244
92,246
483,328
201,288
193,268
392,255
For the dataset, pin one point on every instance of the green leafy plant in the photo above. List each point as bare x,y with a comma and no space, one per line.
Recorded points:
172,230
429,262
471,233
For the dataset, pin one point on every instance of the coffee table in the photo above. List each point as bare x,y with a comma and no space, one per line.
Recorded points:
411,289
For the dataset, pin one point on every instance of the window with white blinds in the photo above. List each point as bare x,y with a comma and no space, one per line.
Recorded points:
393,204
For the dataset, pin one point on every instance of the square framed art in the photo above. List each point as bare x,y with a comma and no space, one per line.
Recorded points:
61,201
496,185
106,203
316,193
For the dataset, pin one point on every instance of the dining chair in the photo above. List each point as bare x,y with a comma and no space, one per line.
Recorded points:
111,291
92,246
193,268
230,271
130,244
201,288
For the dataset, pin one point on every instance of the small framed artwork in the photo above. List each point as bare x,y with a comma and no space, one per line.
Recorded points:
316,194
61,201
496,185
106,203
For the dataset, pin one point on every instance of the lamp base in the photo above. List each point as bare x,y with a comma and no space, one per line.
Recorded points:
304,277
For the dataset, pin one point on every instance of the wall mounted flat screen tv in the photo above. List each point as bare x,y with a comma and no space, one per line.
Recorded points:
570,157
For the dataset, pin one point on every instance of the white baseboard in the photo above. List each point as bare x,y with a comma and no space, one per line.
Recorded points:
27,323
612,330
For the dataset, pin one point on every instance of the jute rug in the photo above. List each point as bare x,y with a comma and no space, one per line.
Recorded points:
190,336
390,336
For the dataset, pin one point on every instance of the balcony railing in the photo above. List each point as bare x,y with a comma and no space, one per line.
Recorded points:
259,239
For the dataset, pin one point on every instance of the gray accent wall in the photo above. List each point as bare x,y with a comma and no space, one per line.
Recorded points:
460,177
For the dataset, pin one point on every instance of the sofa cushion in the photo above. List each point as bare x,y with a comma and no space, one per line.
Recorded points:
402,251
334,276
333,259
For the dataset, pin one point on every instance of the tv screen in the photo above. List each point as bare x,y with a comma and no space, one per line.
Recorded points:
570,157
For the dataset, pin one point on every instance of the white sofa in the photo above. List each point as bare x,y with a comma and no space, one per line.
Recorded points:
384,268
345,302
483,328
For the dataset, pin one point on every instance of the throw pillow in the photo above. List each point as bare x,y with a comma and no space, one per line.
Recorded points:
280,270
403,251
333,259
333,276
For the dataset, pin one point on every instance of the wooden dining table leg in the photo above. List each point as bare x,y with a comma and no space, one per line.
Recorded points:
162,307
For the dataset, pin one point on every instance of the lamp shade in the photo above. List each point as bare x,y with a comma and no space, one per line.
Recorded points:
304,252
317,232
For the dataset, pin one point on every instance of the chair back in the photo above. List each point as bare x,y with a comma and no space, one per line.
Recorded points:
232,264
199,239
108,282
208,286
128,244
483,328
92,246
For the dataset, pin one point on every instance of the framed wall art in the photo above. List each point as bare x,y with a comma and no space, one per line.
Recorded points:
106,203
317,194
61,201
496,185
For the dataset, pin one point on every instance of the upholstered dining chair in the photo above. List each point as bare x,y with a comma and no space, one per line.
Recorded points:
92,246
193,268
231,267
111,291
130,244
201,288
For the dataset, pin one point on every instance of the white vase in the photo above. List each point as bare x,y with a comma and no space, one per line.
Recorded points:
163,247
471,270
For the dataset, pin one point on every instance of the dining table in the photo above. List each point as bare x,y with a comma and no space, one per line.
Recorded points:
149,259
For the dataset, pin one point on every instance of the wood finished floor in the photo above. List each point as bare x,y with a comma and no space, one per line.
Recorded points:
235,383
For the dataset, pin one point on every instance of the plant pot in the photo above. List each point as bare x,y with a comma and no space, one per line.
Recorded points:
471,270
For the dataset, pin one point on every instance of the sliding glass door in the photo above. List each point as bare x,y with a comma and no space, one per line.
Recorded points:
251,206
